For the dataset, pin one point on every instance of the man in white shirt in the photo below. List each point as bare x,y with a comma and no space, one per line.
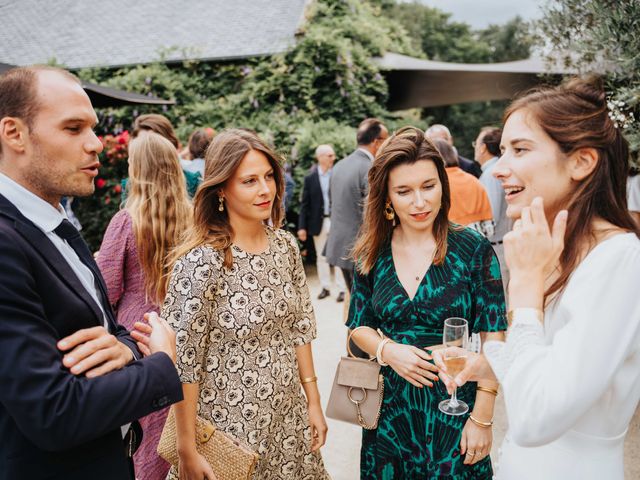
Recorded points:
72,379
486,152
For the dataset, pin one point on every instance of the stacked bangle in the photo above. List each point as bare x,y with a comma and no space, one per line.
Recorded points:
488,390
308,380
381,345
479,423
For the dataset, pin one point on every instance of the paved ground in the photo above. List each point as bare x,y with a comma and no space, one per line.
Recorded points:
342,450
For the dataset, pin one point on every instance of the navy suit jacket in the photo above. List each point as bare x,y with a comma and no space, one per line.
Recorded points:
312,205
53,424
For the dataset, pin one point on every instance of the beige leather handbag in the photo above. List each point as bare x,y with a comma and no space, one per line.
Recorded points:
357,392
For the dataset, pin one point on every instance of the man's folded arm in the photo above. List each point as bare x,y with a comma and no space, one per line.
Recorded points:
53,408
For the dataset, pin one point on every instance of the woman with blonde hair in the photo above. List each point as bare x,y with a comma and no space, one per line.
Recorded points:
238,300
133,256
415,269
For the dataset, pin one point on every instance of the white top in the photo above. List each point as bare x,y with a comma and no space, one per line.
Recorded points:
633,193
47,218
572,386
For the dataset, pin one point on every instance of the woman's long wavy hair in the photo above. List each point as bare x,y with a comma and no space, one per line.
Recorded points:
407,146
575,116
158,204
222,158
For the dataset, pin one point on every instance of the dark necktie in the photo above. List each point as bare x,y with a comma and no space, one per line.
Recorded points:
68,232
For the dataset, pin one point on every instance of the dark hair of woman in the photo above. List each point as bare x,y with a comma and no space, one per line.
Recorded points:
575,116
407,146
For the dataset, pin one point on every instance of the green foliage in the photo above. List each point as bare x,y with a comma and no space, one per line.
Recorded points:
316,92
597,36
95,211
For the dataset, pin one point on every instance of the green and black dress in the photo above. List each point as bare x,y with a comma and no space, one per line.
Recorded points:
414,440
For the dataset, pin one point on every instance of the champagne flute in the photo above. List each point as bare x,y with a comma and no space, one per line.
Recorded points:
455,334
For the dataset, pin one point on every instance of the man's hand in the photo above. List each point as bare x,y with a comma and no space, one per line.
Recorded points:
94,352
302,235
155,336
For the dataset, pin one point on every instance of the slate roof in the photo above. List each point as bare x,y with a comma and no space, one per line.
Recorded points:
88,33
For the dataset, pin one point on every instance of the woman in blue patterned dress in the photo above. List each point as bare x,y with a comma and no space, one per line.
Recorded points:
414,270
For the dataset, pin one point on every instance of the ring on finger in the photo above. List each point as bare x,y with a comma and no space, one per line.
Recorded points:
471,454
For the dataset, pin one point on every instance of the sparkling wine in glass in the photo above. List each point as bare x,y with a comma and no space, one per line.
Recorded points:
455,334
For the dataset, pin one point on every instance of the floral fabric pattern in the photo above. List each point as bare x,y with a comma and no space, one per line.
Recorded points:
237,330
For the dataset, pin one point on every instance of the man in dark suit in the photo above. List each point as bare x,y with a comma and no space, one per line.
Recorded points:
314,217
72,379
349,187
440,132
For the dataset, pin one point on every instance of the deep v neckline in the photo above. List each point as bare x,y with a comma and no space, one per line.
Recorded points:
397,277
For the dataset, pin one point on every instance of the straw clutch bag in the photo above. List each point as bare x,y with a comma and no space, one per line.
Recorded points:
229,458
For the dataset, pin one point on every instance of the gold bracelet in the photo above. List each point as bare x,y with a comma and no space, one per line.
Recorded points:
481,424
308,380
488,390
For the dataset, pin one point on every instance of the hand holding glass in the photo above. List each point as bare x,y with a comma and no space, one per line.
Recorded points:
455,334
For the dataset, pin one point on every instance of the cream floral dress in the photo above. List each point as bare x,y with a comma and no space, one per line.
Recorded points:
237,330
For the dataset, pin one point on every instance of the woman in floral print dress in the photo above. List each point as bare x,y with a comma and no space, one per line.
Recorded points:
240,305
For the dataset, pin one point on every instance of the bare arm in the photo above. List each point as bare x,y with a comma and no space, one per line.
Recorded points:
306,370
410,362
192,464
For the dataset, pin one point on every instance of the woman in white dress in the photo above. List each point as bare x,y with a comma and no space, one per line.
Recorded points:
570,367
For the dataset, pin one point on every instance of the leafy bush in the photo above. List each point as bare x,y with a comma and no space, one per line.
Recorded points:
95,211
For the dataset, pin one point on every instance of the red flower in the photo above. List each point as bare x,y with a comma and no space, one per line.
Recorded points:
107,200
117,188
100,182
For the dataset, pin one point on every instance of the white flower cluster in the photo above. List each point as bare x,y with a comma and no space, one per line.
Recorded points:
617,114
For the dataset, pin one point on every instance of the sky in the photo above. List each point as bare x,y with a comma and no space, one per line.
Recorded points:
480,13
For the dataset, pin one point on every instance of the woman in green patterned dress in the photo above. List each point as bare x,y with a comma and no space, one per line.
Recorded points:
414,270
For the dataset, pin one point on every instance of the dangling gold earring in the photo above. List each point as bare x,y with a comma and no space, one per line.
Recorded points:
389,213
221,206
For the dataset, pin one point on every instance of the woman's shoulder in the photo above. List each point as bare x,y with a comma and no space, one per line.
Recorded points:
623,247
282,235
202,255
465,241
120,226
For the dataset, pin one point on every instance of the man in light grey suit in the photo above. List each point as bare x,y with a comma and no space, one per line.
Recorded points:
348,189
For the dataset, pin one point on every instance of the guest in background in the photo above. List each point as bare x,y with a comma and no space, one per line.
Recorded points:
469,200
414,269
133,257
162,126
314,218
348,189
198,143
239,301
440,132
486,152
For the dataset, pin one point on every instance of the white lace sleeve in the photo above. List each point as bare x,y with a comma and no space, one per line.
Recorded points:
523,333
